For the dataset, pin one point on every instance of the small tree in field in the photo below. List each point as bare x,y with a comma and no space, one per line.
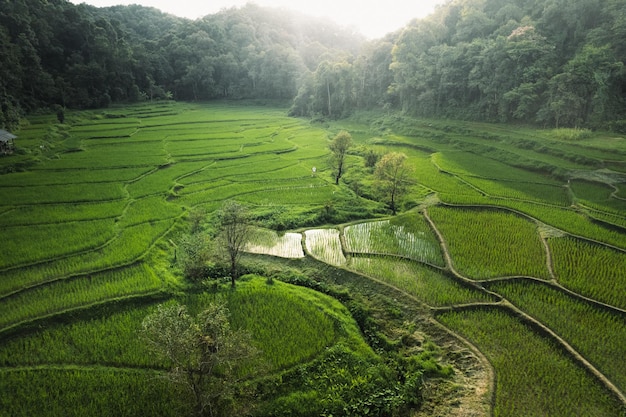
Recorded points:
371,158
393,177
235,228
339,147
196,250
205,353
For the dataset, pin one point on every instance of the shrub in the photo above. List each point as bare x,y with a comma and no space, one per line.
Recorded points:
571,134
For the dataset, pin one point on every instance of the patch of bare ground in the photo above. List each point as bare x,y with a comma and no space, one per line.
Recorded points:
469,392
601,175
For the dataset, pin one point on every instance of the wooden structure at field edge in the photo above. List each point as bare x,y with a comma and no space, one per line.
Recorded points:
6,142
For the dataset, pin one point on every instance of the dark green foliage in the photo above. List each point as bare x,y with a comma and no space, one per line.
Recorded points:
551,62
58,53
61,115
305,279
371,158
205,354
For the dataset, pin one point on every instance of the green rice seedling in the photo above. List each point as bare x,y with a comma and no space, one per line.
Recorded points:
598,196
131,244
111,339
527,157
35,178
257,167
534,377
473,165
431,287
248,187
284,171
562,218
212,134
107,120
269,146
146,209
590,269
304,194
208,150
61,213
67,193
289,324
407,236
104,131
160,180
268,242
219,190
89,391
608,218
110,152
26,244
491,243
324,244
82,291
541,193
596,333
428,175
94,159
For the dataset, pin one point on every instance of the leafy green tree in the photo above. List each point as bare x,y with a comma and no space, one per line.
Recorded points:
371,158
586,88
372,74
196,251
235,229
205,355
339,147
393,177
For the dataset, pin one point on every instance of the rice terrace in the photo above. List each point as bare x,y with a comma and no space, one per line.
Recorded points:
516,291
263,213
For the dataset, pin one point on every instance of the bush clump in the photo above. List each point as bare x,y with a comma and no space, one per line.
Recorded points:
571,134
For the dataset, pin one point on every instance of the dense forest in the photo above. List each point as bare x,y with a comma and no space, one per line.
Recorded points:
547,62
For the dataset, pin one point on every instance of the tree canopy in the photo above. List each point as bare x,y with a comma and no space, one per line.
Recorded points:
205,353
339,147
393,176
550,62
235,229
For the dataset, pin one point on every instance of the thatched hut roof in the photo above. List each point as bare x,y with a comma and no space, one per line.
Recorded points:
6,136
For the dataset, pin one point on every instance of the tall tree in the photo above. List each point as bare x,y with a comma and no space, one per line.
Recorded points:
339,148
393,177
204,351
235,228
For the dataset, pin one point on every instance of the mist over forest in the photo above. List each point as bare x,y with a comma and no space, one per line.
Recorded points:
553,63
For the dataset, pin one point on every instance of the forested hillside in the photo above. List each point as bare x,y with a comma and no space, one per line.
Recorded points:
57,53
550,62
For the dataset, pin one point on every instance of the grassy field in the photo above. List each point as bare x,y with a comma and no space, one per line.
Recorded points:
91,213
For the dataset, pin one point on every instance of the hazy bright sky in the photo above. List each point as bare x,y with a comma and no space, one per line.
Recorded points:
373,18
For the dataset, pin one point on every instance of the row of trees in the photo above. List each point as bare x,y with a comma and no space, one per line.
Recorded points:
392,174
57,53
553,62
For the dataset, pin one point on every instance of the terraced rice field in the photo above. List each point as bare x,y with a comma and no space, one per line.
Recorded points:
525,259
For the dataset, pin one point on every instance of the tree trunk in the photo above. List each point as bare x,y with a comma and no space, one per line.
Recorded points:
330,113
233,272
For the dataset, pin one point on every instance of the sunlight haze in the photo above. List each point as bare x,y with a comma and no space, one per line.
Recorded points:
372,19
